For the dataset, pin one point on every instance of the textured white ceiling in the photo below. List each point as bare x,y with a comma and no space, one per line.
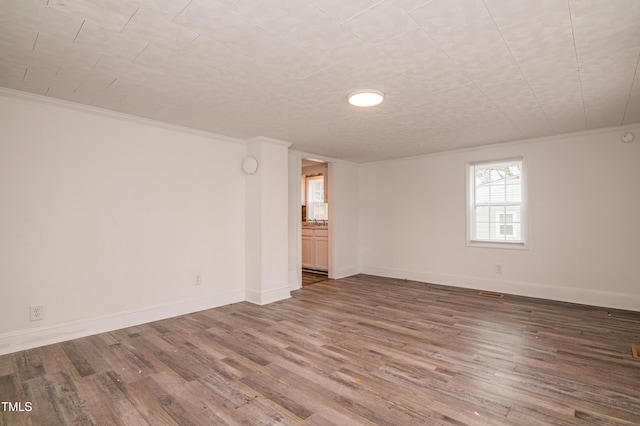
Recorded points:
457,73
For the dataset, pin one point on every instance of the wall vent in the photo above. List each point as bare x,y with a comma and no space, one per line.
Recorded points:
490,294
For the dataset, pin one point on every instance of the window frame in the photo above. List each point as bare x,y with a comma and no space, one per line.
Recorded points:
523,243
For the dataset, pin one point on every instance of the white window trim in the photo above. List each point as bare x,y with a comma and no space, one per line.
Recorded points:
524,210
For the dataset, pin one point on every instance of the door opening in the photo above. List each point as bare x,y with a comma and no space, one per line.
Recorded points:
315,221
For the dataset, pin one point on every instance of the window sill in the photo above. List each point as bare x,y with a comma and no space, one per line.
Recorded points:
498,245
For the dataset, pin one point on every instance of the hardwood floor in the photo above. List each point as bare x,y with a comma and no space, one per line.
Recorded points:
362,350
312,278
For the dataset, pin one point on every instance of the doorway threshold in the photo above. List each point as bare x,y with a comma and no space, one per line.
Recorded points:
315,271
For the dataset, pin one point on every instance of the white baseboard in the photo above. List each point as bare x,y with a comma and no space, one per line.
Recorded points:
294,282
542,291
269,296
56,333
344,273
35,337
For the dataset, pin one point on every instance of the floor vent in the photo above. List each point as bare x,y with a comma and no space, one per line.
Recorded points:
635,350
492,295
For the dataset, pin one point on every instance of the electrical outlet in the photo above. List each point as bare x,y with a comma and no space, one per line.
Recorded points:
36,312
197,279
498,268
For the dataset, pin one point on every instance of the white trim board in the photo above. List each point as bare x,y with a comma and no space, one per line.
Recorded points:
345,272
56,333
537,290
268,296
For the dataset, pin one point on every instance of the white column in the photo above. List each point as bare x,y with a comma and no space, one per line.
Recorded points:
267,262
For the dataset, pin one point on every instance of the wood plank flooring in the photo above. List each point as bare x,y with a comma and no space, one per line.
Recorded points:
362,350
312,278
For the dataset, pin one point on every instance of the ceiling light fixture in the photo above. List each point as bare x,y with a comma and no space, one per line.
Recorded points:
365,98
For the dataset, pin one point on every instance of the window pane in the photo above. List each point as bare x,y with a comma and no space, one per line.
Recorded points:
482,194
506,219
495,213
494,232
516,234
317,209
497,175
514,213
505,230
316,188
320,211
514,193
497,193
482,176
515,170
482,214
482,231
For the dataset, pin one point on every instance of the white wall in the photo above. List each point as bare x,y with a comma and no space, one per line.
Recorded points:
343,225
584,200
105,220
295,220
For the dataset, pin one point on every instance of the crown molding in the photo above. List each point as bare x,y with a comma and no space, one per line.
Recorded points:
521,142
60,103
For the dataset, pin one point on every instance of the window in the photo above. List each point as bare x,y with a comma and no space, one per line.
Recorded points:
317,209
496,198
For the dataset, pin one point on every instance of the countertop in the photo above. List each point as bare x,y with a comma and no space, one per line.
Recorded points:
311,225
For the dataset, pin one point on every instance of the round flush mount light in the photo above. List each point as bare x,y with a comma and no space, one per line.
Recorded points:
365,98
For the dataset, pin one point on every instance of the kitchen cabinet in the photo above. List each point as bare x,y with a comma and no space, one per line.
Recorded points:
321,250
307,249
315,249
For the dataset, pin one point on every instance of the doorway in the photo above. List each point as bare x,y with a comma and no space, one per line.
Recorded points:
314,195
